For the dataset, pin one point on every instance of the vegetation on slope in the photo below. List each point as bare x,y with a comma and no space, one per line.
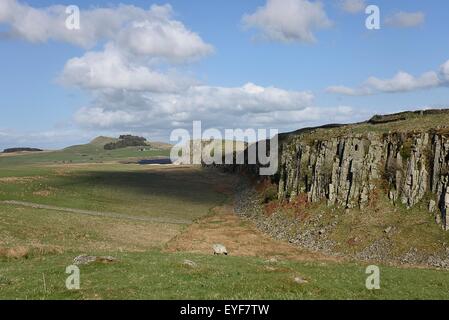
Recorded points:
12,150
92,152
409,121
126,141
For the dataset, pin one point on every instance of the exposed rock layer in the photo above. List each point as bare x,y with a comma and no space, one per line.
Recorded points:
346,171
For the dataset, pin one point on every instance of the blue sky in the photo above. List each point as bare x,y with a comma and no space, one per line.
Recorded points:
47,103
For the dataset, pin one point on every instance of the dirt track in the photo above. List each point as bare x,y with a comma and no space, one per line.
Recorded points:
239,236
95,213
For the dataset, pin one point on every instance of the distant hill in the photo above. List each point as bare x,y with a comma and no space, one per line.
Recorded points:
12,150
98,143
126,140
92,152
159,145
102,140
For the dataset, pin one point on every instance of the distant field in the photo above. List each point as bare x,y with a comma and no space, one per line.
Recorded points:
156,191
81,154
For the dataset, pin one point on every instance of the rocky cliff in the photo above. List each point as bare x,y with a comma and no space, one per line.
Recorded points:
346,166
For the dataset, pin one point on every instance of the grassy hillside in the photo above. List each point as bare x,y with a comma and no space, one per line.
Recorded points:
171,192
92,152
36,245
319,187
401,122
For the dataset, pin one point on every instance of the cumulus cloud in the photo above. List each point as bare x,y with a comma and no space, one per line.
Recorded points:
130,55
151,32
288,20
158,116
401,82
219,106
406,19
353,6
169,39
112,69
137,41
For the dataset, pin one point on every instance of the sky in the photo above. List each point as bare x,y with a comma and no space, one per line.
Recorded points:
147,68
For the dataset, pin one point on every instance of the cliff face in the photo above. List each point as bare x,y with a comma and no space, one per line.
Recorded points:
348,170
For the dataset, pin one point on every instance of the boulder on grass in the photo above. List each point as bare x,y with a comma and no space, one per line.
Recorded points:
219,249
85,259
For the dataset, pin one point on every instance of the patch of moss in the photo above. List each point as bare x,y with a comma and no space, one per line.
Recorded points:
406,150
270,193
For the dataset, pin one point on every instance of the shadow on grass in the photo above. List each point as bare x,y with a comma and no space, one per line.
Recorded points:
193,186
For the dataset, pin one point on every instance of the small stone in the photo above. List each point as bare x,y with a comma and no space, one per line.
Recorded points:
300,280
321,231
271,260
106,259
189,263
270,268
85,259
432,206
219,249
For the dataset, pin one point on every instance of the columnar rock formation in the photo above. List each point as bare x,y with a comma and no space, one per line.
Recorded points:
346,170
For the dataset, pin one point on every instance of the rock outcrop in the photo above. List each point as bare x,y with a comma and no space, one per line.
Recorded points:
346,170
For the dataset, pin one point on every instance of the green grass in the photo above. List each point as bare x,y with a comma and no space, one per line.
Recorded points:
157,275
414,122
37,245
129,189
89,153
26,232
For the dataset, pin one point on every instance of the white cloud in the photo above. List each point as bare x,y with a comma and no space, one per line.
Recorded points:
137,42
289,20
168,39
248,106
218,106
151,32
42,139
444,71
406,19
401,82
343,90
353,6
112,69
128,79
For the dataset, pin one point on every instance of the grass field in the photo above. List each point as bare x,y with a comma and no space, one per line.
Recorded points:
157,275
80,154
36,245
131,189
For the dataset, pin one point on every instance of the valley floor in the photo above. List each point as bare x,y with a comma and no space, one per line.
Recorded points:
40,238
